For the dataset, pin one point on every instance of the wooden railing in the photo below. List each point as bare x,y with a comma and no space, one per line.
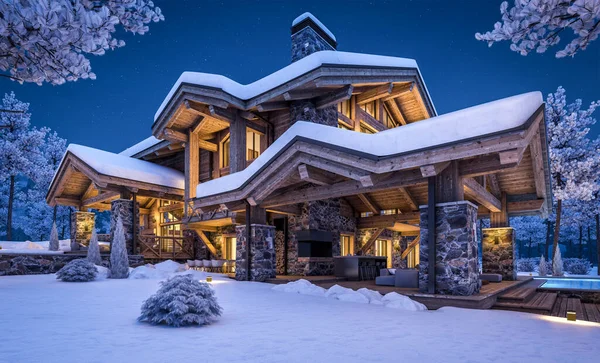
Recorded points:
175,248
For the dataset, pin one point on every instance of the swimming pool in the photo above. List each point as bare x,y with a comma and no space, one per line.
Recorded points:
571,284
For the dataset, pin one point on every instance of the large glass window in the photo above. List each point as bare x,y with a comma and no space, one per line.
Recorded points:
384,248
252,145
229,249
225,152
344,108
412,259
346,245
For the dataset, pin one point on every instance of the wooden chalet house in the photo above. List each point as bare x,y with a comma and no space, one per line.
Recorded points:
336,154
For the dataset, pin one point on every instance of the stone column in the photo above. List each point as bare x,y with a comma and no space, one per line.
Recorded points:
499,252
82,224
306,110
457,265
309,37
262,252
124,208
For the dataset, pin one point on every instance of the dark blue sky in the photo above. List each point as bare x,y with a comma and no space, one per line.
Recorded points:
248,40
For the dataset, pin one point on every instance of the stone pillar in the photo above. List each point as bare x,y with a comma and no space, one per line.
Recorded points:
310,36
262,252
124,208
82,224
457,265
306,110
499,252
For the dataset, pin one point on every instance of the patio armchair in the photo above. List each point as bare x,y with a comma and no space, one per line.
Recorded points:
207,265
407,278
198,264
191,264
217,265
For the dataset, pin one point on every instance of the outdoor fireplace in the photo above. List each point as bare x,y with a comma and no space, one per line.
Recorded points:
314,243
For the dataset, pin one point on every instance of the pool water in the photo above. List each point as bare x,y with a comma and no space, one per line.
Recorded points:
572,284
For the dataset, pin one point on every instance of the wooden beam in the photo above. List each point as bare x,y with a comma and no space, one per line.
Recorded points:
513,156
312,175
221,113
207,242
67,201
387,220
368,120
476,191
272,106
237,145
482,165
192,169
335,97
396,113
500,219
171,207
100,198
302,94
410,247
398,90
371,242
492,181
374,93
292,209
347,121
404,193
449,186
371,206
200,122
174,136
433,169
537,158
207,145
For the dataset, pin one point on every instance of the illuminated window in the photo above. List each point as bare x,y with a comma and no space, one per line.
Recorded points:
229,249
370,108
252,145
346,245
344,108
225,145
387,120
366,214
388,212
412,259
384,248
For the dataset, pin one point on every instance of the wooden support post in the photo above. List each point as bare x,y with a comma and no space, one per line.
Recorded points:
237,145
192,170
431,234
449,184
248,237
500,219
134,225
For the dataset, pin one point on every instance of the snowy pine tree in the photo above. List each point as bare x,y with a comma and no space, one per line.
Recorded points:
119,261
557,264
47,41
542,270
53,243
181,301
80,270
93,253
536,24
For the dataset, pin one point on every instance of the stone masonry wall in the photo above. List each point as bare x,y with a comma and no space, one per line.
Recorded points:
47,264
499,252
305,110
124,208
457,265
82,224
262,252
306,42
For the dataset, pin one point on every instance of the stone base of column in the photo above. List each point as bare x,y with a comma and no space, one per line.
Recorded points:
124,208
82,224
457,265
499,252
262,252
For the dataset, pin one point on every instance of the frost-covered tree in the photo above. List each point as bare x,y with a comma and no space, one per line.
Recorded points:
557,264
538,24
530,232
19,150
542,270
181,301
119,262
80,270
574,157
49,41
53,243
93,253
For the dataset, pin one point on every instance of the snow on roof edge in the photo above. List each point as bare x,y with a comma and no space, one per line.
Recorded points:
484,119
286,74
308,15
140,146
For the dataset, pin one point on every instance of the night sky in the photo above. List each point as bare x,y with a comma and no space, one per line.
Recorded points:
246,41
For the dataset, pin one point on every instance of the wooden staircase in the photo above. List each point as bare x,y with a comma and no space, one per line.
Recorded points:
526,298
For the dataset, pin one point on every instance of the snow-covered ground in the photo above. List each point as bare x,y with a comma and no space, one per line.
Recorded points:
37,248
43,319
593,273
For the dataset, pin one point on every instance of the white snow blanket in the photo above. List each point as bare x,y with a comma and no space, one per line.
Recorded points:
140,146
98,320
477,121
32,248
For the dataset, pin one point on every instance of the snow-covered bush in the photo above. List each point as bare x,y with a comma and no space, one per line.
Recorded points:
181,301
93,253
557,264
53,244
80,270
526,264
542,268
119,262
577,266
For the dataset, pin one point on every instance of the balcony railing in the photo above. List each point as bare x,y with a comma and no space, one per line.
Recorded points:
170,247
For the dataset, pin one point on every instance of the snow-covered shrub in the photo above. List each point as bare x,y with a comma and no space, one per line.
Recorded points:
526,264
398,301
119,262
80,270
542,269
302,287
557,264
53,244
181,301
93,253
577,266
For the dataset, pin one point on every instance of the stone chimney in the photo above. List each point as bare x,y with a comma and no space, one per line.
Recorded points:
309,35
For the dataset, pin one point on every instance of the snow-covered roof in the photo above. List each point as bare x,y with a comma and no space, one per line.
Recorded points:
126,167
310,16
286,74
140,146
472,122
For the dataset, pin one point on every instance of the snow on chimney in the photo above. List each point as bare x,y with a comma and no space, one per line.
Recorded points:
309,35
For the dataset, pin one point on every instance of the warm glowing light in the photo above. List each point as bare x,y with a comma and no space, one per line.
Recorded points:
556,319
208,278
571,316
